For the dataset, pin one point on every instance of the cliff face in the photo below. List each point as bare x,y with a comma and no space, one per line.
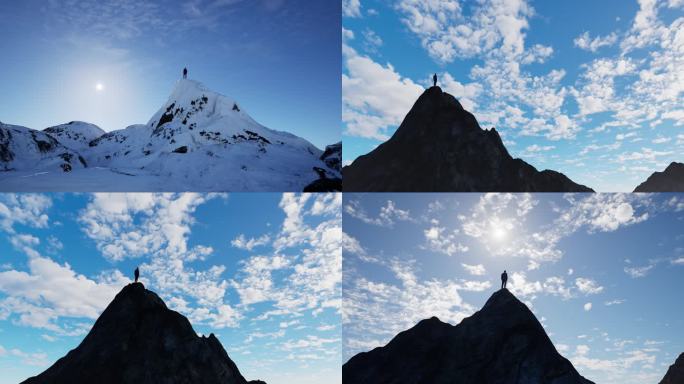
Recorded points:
440,147
137,339
501,343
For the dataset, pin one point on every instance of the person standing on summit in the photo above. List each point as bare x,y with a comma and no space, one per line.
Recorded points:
137,274
504,279
434,80
185,73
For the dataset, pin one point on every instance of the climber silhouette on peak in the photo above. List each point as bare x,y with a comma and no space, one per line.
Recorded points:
185,73
434,80
137,274
504,279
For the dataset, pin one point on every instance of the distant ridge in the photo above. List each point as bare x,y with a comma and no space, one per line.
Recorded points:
670,180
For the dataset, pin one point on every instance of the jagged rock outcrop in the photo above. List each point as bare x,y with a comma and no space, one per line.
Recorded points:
137,339
670,180
503,343
440,147
332,157
675,374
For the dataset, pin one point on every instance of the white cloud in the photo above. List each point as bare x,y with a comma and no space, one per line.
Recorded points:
614,302
50,291
588,286
371,40
243,242
441,240
308,280
584,41
351,8
23,208
38,359
374,96
447,34
475,270
135,224
636,272
389,214
587,307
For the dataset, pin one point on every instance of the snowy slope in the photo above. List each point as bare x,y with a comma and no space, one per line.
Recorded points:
198,140
25,149
75,135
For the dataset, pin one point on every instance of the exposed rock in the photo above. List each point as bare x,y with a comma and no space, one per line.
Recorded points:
325,185
440,147
675,374
670,180
137,339
183,149
332,156
502,343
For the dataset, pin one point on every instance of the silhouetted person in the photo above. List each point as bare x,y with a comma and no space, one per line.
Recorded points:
185,73
137,274
504,279
434,80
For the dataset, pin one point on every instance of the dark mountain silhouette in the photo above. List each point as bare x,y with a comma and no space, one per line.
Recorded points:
670,180
502,343
137,339
675,374
440,147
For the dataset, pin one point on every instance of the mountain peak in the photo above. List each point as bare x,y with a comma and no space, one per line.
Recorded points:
191,102
440,147
501,343
138,339
435,96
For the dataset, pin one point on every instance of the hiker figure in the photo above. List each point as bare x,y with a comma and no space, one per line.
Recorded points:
137,274
504,278
434,80
185,73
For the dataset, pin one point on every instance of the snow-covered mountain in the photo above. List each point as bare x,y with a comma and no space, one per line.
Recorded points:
198,140
24,149
75,135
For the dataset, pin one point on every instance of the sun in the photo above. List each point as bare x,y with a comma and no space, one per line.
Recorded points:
99,87
499,229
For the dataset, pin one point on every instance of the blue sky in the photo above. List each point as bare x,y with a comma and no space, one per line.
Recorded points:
593,89
280,59
602,272
261,271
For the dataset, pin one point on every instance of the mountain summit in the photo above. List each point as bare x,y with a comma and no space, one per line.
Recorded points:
137,339
669,180
199,140
440,147
502,343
